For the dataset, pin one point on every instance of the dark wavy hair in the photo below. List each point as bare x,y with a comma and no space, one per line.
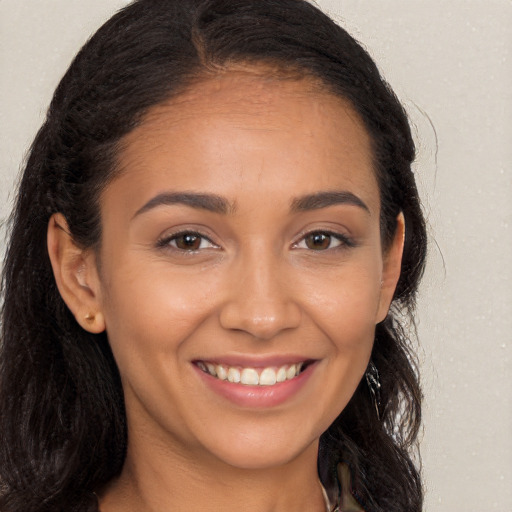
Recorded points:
62,419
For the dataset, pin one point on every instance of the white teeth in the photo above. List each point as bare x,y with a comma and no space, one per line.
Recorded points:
281,374
233,375
222,373
291,372
268,377
250,376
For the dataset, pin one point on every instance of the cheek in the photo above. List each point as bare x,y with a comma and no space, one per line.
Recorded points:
152,310
345,306
346,311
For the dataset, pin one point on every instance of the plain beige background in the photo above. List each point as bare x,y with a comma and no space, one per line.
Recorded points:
450,63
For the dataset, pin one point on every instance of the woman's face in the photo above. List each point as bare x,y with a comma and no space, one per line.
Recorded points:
241,242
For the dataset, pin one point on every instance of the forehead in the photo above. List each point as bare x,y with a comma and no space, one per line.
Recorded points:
250,93
246,129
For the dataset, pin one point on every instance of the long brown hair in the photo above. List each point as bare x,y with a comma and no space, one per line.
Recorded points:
62,418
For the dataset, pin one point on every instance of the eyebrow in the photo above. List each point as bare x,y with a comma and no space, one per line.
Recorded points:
210,202
219,204
326,199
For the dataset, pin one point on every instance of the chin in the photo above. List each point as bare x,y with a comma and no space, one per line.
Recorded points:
264,451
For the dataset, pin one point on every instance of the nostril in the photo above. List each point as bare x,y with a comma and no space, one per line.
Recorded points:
262,319
258,301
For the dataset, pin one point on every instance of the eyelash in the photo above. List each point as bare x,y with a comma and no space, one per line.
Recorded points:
343,241
166,241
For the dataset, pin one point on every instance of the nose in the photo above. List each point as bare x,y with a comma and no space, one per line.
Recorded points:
260,299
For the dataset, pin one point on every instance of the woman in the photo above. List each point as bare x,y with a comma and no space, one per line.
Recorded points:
215,248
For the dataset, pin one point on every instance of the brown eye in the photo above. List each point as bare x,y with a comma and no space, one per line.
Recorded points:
323,241
318,241
188,242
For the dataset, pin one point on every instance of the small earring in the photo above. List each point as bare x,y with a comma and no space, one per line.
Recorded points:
373,382
90,317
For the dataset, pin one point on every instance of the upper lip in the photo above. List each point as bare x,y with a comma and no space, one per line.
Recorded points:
255,361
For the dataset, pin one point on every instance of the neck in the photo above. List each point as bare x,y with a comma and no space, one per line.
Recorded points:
155,479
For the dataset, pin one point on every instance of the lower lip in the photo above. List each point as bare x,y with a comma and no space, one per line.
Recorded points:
257,396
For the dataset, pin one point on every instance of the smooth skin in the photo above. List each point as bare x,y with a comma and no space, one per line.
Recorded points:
244,223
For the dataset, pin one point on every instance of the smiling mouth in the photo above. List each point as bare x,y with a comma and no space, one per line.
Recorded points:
268,376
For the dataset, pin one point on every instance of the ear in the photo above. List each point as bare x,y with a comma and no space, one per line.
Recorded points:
392,264
76,275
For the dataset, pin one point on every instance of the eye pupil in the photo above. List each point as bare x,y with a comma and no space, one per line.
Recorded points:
318,241
188,241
